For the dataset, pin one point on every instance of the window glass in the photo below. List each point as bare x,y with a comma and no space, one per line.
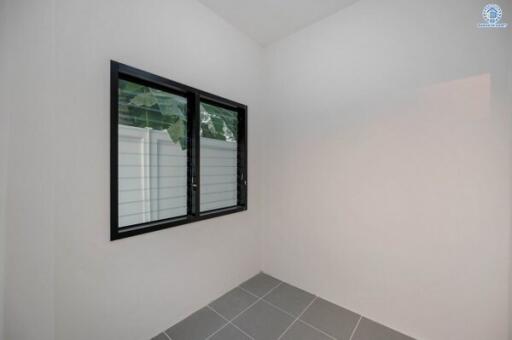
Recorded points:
152,154
218,157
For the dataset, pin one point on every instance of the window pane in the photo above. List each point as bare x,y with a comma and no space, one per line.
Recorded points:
219,165
152,154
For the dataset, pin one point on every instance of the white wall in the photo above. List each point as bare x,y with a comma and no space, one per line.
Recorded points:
389,191
510,248
159,277
4,133
389,118
66,280
29,276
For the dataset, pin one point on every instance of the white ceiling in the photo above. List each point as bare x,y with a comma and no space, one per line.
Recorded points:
269,20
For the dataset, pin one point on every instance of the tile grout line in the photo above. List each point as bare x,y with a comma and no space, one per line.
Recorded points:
227,324
243,311
258,300
221,328
301,321
279,308
298,317
317,329
248,292
355,328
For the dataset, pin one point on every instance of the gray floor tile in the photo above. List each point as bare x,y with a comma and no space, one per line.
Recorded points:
197,326
232,303
263,322
322,320
230,333
300,331
331,319
160,336
370,330
289,298
260,284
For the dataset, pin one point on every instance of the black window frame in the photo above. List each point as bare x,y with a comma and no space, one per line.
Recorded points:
194,98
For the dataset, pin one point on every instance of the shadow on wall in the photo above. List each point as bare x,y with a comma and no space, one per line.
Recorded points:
416,208
390,149
461,99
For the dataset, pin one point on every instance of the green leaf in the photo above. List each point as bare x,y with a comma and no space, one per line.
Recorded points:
143,99
128,86
169,104
177,132
145,107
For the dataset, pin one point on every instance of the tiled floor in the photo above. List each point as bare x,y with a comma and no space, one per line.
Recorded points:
264,308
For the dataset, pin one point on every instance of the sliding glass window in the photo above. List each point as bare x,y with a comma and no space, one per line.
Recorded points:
178,154
152,154
219,160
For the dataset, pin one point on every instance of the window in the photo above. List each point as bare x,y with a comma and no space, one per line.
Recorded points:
178,154
219,161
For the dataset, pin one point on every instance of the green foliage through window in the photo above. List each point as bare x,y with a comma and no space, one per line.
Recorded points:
146,107
218,123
